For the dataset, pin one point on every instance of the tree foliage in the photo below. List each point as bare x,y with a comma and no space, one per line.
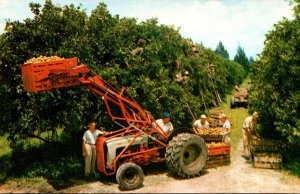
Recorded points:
241,58
222,51
276,80
104,43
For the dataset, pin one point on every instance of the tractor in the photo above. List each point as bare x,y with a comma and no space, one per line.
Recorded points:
138,141
240,98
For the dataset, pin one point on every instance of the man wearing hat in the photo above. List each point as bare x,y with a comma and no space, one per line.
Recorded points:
186,76
88,146
249,127
226,128
165,123
202,122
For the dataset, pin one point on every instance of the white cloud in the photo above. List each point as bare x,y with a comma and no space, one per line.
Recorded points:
208,21
233,22
13,10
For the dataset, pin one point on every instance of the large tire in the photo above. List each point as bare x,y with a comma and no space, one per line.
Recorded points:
232,102
186,155
130,176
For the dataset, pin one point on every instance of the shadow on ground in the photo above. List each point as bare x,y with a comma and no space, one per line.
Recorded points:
57,166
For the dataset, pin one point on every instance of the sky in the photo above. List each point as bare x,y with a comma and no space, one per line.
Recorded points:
234,22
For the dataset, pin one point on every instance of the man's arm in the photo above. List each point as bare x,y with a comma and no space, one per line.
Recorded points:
247,127
228,130
255,129
100,133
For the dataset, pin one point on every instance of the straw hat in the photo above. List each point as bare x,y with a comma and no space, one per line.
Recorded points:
255,114
203,116
223,115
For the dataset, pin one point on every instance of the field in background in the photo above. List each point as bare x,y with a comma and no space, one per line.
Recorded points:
238,115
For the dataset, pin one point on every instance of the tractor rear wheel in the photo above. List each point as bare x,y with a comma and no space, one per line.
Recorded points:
186,155
130,176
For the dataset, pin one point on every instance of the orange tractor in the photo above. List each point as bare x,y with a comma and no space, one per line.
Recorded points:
138,141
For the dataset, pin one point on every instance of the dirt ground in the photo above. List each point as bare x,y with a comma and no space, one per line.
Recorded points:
238,177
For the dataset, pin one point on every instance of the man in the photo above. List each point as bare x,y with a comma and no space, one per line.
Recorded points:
249,127
186,76
165,123
237,88
194,48
88,147
249,86
226,128
178,74
140,49
202,122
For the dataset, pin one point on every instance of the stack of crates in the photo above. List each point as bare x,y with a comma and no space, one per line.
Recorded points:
266,153
218,152
214,118
218,155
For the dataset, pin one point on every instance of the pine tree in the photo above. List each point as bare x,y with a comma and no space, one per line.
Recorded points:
251,60
241,58
221,50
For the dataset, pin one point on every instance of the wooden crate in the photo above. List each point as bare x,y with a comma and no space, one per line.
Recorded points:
218,156
32,72
223,150
267,165
267,157
216,122
266,145
212,138
217,160
267,160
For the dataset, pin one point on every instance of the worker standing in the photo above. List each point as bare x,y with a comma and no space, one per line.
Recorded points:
237,87
249,127
202,122
178,74
249,86
88,147
165,123
186,76
226,128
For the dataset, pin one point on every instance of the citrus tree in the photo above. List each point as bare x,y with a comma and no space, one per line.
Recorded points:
276,81
106,44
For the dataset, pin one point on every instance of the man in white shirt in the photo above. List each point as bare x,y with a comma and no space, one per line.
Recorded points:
88,147
202,122
226,127
249,126
165,123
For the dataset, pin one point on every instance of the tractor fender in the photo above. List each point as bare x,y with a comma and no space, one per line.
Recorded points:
178,131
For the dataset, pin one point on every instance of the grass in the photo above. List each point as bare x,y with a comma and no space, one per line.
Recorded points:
5,156
38,164
238,114
4,146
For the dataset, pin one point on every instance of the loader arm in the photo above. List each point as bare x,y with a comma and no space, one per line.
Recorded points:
65,73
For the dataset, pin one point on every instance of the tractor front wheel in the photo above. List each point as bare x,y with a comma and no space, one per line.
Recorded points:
130,176
186,155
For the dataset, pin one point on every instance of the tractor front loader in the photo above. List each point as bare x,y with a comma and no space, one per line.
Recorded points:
136,142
